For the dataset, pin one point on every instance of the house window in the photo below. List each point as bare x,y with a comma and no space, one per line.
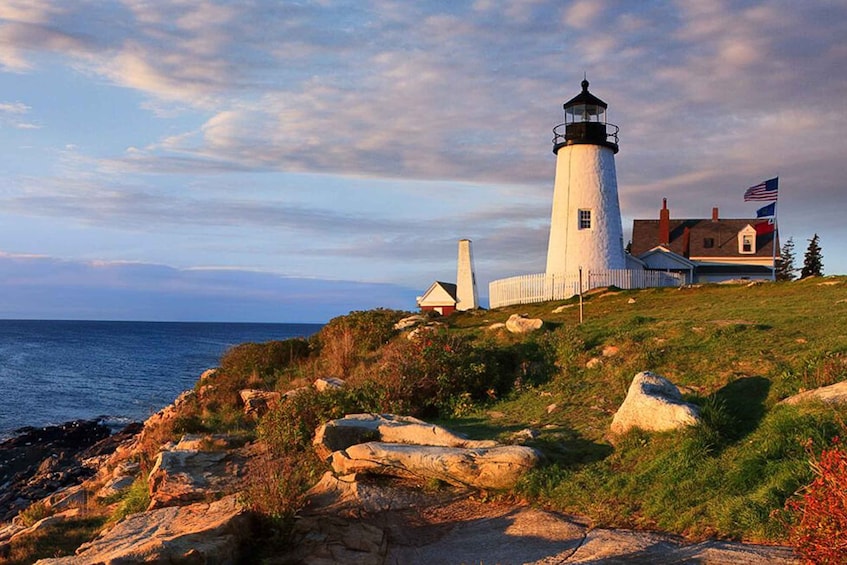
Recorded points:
708,242
747,243
584,219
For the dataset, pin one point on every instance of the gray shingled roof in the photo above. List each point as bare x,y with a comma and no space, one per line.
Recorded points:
724,233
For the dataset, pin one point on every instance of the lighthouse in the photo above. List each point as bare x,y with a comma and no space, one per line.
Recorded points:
585,227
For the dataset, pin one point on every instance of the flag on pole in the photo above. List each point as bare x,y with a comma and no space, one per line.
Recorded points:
766,211
765,191
764,228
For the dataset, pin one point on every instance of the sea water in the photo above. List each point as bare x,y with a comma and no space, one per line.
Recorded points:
55,371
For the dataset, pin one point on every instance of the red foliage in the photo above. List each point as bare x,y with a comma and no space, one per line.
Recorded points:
820,533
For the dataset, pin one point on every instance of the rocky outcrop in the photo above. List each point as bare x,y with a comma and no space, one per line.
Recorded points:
521,324
340,434
328,383
199,533
410,322
654,404
533,536
484,468
832,394
39,461
181,476
405,446
258,402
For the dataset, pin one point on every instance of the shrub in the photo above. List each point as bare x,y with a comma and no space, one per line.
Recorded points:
265,361
346,340
820,530
437,372
276,487
35,512
135,499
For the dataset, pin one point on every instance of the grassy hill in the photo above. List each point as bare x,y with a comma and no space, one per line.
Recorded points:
735,350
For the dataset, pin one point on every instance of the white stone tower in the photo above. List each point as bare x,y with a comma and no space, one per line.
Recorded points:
585,228
466,295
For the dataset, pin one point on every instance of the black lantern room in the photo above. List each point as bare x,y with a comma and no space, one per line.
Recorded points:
585,123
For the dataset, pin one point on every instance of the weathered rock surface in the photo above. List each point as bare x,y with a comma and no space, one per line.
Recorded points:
485,468
258,402
328,540
526,535
361,428
832,394
39,461
328,383
520,324
410,321
181,476
199,533
654,404
450,528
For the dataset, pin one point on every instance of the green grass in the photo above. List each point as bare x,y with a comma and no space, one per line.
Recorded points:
735,350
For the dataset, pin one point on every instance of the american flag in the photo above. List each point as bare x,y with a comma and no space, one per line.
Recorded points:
764,192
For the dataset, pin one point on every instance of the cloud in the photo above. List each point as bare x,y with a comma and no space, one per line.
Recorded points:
711,97
48,288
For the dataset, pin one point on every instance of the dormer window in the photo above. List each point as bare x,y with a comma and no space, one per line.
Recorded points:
747,241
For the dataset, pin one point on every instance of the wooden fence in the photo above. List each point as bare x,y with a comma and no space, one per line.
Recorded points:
541,287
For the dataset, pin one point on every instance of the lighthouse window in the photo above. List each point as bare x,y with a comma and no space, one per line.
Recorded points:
585,219
747,244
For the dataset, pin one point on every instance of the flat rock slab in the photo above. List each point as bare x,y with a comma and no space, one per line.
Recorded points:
526,535
199,533
340,434
183,476
485,468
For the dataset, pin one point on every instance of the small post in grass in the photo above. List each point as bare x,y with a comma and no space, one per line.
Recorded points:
580,294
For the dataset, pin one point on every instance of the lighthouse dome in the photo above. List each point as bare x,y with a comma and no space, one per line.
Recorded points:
585,123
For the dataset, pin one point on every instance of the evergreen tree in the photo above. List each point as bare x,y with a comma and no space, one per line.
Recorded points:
785,263
813,260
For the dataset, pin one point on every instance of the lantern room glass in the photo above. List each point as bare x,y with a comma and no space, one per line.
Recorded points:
585,113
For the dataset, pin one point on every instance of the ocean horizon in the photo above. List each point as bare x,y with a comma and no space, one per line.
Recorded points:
54,371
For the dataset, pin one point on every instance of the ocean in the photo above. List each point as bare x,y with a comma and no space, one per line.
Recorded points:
56,371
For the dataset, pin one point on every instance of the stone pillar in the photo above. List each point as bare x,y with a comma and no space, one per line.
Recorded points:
466,293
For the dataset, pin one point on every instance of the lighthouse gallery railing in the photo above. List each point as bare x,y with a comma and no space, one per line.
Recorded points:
541,287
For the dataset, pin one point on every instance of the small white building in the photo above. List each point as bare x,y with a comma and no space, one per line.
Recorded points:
439,297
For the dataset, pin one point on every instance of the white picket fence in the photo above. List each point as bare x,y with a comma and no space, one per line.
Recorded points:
541,287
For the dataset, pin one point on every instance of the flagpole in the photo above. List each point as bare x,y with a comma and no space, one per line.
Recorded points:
775,234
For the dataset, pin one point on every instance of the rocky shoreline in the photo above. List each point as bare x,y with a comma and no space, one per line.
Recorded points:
368,509
36,462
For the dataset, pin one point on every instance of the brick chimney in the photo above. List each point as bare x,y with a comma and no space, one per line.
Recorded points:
715,214
664,223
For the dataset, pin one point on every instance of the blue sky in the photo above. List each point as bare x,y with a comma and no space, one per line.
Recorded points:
292,161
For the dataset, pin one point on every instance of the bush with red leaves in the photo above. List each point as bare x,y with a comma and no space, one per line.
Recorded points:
820,529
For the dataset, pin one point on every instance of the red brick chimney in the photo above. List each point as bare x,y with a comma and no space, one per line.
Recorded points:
664,223
714,214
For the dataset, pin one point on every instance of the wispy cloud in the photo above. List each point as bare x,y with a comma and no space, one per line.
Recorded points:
393,99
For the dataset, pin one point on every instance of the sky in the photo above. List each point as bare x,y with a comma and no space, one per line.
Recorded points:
280,161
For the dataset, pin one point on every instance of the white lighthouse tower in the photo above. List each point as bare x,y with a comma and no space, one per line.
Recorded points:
585,228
